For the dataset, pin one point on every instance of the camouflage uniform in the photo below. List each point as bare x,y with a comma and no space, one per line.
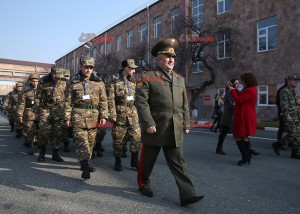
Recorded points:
12,107
85,112
27,108
121,96
290,108
51,113
8,108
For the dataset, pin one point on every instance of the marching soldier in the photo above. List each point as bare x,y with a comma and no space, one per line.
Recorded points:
10,105
27,112
86,108
51,113
289,103
164,115
121,97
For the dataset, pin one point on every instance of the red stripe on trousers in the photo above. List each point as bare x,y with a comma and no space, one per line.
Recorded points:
139,175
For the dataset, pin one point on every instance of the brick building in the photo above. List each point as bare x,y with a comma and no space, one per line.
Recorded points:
12,71
261,37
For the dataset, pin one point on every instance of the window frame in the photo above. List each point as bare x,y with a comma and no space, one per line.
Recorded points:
266,35
259,92
224,46
157,26
224,6
200,11
143,33
175,13
119,43
129,43
199,70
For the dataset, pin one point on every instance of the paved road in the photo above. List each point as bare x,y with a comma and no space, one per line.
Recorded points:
270,184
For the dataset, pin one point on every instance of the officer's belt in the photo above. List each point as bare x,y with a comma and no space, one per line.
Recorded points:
128,104
85,106
157,110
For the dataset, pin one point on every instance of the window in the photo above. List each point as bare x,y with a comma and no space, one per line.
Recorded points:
143,31
129,38
224,47
109,47
197,67
266,34
119,43
157,27
101,49
266,95
174,17
223,6
197,11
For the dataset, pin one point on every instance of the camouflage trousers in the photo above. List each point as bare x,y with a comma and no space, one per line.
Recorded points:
118,134
101,132
11,120
54,129
292,139
85,139
30,131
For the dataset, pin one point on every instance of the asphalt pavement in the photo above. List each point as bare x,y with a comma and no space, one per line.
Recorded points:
270,184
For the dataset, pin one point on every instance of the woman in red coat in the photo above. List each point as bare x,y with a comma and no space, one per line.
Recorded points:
244,116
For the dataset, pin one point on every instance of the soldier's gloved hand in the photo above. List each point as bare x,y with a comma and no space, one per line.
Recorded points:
186,131
298,101
151,130
289,119
20,119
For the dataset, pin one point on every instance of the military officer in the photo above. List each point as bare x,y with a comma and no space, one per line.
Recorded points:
121,97
289,103
6,107
86,109
27,112
164,115
51,113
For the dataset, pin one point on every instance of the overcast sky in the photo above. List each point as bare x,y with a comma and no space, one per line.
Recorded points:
43,31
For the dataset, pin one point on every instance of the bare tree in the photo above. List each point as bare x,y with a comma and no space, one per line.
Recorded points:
199,44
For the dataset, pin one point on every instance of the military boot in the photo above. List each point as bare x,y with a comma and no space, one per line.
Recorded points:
41,157
18,133
33,149
276,146
118,164
92,169
86,174
124,154
55,156
66,146
98,150
295,154
26,143
12,128
134,160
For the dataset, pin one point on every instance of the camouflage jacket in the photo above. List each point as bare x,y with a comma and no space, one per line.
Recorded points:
289,107
86,101
10,103
121,98
28,104
52,98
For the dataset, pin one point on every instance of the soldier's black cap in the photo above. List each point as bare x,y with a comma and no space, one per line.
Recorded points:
166,46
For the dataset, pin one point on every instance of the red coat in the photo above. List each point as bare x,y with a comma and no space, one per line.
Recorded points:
244,116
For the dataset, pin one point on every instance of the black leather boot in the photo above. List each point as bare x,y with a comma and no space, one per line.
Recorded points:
18,133
86,174
12,128
295,154
98,149
276,146
41,157
252,150
118,164
219,150
134,160
244,149
55,156
92,169
124,155
26,143
66,146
